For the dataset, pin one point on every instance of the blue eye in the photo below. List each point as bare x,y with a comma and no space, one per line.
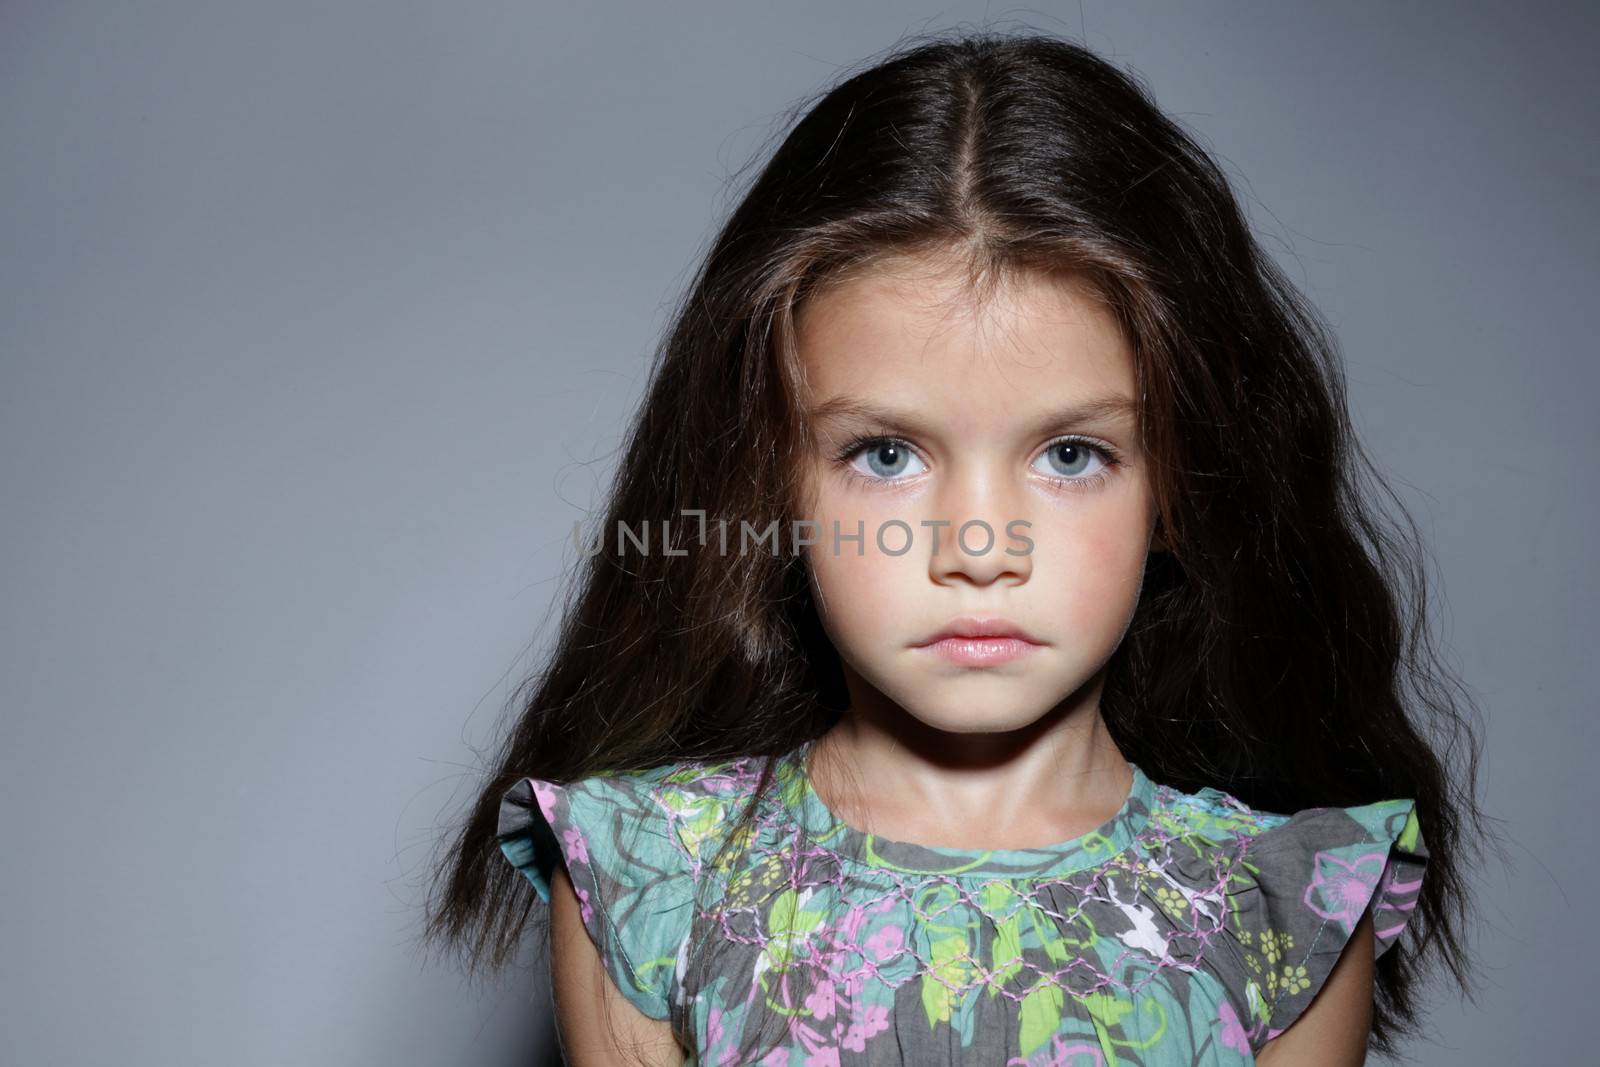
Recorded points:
1070,461
886,458
1069,458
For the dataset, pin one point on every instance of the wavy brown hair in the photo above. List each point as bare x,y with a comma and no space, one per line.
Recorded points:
1281,647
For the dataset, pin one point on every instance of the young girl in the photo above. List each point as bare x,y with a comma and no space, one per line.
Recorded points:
987,655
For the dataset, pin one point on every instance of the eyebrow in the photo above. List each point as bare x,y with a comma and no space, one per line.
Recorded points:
849,408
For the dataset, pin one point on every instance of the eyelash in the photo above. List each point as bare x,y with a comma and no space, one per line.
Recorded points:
1107,454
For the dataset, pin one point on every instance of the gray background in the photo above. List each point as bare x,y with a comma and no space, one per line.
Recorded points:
320,323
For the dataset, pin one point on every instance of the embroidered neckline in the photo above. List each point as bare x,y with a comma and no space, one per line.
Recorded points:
855,846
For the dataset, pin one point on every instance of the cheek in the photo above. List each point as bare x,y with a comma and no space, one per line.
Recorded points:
1096,558
856,594
860,591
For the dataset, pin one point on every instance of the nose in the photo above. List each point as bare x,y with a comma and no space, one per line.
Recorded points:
978,512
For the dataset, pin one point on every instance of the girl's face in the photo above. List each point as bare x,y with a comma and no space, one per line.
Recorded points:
932,412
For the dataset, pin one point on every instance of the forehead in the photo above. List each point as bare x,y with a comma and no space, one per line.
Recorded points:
915,331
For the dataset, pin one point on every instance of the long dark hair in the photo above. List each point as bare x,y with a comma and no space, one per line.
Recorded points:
1281,647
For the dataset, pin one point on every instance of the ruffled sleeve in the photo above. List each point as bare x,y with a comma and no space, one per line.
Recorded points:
1295,898
633,880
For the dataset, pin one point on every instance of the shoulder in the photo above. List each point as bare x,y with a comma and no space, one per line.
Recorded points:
666,817
1289,890
635,845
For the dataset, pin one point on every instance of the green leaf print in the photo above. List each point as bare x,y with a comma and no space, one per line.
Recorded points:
1005,953
787,919
946,972
1105,1012
996,897
788,923
1260,1010
780,916
1216,827
1410,832
1006,958
1040,1017
1057,947
1107,1008
693,831
684,775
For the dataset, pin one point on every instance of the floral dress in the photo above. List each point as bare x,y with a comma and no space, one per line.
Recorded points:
1188,929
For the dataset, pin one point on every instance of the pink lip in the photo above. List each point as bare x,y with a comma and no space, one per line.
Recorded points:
980,642
980,651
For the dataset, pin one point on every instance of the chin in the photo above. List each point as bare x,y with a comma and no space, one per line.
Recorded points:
978,713
985,724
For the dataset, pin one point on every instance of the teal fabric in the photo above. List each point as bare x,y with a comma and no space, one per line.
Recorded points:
1188,929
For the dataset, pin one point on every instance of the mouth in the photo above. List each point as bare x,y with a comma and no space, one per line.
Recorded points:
981,642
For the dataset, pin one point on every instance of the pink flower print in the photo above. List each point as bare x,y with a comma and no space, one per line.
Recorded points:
1340,890
776,1058
577,847
821,1000
1233,1034
714,1035
823,1057
546,796
584,910
886,942
871,1021
851,923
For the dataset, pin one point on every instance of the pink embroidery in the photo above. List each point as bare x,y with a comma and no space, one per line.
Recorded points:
855,932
